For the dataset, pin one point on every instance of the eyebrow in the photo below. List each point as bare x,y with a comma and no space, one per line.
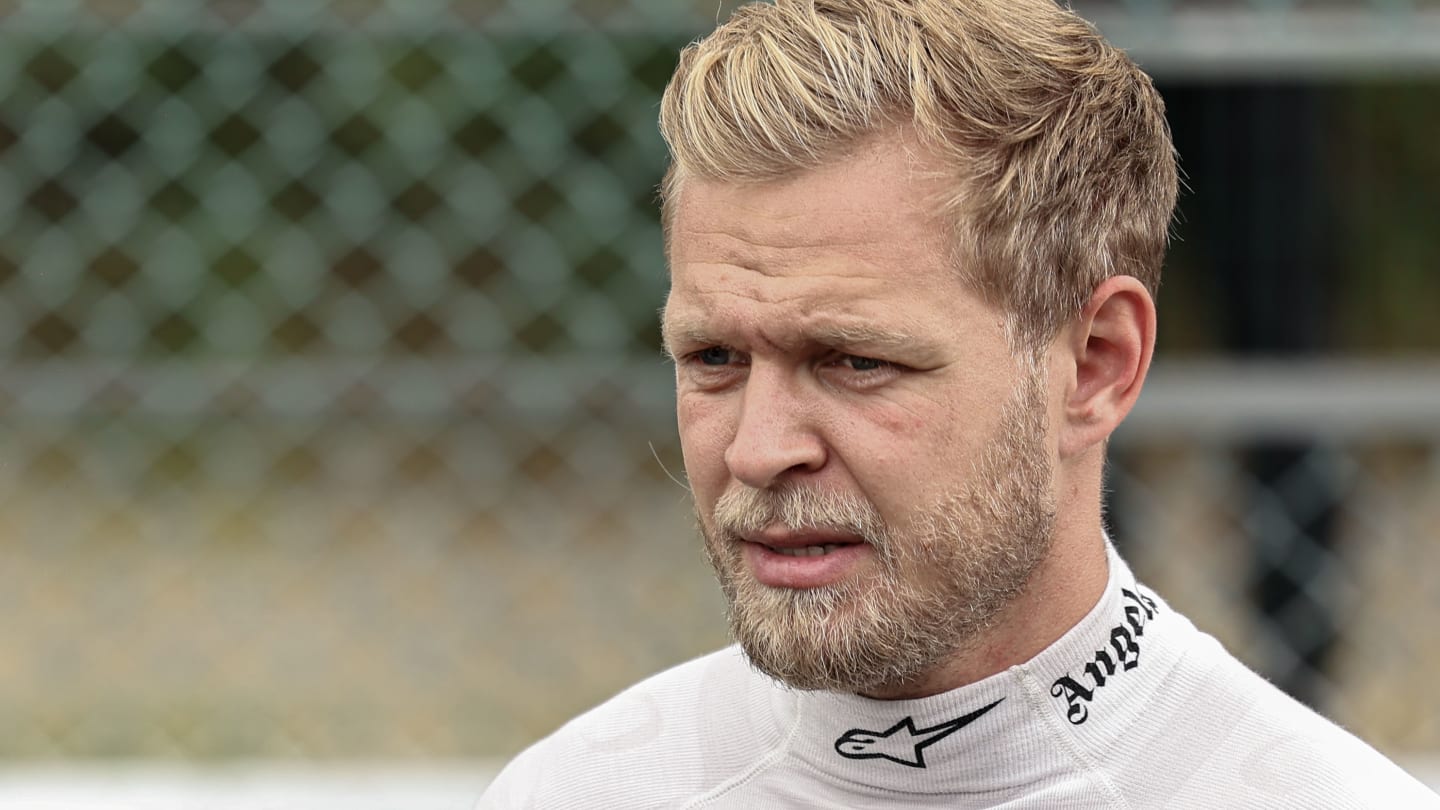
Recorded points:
858,336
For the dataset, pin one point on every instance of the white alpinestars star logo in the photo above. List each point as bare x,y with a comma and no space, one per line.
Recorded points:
902,742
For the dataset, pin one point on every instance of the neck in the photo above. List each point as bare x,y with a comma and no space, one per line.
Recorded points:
1008,731
1060,592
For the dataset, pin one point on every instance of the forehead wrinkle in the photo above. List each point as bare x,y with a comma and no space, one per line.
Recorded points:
786,239
809,277
770,249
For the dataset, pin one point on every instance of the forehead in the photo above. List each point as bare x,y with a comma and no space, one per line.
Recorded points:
874,204
853,246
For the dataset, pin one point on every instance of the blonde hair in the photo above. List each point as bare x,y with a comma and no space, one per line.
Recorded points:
1054,144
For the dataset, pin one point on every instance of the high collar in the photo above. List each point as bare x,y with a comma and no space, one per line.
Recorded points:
1037,718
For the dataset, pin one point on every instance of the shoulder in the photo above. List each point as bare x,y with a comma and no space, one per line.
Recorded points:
666,736
1237,739
1289,749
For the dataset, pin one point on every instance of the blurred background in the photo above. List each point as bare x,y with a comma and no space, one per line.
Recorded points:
335,431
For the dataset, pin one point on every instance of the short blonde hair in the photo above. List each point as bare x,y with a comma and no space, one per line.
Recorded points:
1054,144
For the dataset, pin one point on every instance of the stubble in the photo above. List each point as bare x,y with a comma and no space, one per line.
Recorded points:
939,582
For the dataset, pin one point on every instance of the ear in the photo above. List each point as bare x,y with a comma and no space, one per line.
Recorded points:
1110,346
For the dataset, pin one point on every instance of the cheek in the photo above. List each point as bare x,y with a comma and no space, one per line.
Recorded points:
705,425
881,450
905,457
909,429
897,423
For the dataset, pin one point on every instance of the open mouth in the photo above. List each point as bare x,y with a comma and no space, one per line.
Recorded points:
792,562
809,551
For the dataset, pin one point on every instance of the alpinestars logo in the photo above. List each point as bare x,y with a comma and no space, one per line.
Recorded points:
902,742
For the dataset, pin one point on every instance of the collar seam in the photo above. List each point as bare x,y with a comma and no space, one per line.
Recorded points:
763,763
1036,701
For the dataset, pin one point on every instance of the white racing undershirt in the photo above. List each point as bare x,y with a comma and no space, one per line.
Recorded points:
1132,708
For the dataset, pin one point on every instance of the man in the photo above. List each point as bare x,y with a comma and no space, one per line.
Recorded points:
913,248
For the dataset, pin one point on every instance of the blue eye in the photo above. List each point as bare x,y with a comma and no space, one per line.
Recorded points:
714,356
864,363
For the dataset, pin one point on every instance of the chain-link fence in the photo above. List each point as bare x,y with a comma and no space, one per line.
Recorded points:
331,388
314,316
1293,509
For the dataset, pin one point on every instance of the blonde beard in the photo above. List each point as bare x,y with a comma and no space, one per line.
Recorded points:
935,588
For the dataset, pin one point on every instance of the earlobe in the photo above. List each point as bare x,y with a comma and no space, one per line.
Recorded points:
1110,345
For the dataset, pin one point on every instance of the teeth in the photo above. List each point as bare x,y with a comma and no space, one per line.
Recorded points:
807,551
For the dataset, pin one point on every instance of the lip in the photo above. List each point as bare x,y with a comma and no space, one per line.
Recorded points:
780,537
781,571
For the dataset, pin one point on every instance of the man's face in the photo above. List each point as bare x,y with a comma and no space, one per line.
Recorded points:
868,459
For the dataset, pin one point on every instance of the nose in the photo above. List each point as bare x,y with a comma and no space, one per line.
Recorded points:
775,438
